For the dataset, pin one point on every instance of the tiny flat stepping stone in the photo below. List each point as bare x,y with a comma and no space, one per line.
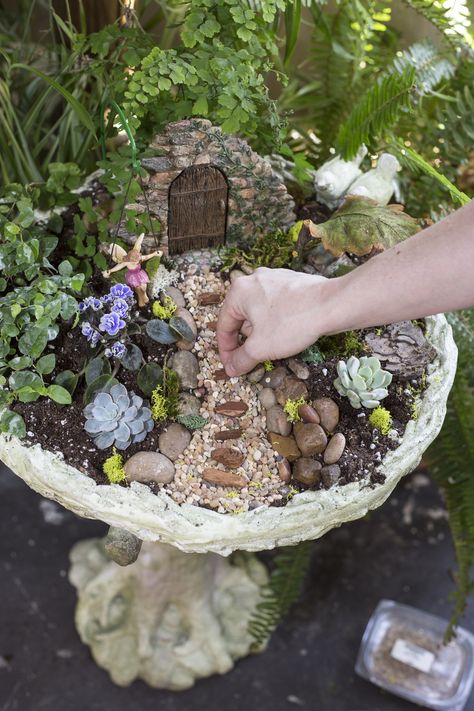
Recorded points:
217,477
220,374
228,434
212,325
233,408
209,298
228,456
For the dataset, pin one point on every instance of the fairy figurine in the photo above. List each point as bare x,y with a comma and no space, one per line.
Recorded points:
136,277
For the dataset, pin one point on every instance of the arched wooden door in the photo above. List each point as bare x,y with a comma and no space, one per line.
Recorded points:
197,209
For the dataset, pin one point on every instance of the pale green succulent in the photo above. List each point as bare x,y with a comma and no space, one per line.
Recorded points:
363,381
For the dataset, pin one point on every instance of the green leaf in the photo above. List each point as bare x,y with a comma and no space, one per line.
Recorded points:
132,358
12,423
200,107
95,368
102,384
25,378
149,377
15,309
67,379
360,226
46,364
179,326
33,342
20,362
65,268
159,331
28,394
59,394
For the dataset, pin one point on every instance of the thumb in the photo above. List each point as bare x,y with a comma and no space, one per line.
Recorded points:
240,362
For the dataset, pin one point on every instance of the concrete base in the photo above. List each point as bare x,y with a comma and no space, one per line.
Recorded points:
170,618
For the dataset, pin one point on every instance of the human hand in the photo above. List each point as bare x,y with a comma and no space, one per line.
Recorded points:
277,310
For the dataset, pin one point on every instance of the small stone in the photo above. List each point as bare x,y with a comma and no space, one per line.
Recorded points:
187,366
257,374
188,404
209,298
228,456
236,274
330,475
310,437
174,440
220,374
211,325
328,412
277,421
275,377
247,269
284,470
149,466
308,414
286,446
223,435
335,448
233,408
121,546
298,368
189,319
218,477
176,295
307,471
267,397
291,389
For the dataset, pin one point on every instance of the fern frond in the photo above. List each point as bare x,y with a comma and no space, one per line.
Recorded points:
282,590
431,67
417,164
439,17
457,117
376,112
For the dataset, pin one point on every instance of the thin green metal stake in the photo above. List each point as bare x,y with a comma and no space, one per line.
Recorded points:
123,120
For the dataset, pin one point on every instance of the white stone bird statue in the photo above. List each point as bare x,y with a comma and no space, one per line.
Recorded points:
333,178
378,183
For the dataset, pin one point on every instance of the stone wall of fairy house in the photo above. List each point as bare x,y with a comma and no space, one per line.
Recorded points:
209,188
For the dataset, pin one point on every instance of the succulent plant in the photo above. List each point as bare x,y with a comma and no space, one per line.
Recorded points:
363,381
117,418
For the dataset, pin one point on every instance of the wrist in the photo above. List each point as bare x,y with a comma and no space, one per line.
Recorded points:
333,307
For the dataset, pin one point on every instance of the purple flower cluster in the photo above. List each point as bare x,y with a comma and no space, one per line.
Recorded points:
107,317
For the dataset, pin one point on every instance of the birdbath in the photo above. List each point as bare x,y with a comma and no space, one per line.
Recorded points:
181,611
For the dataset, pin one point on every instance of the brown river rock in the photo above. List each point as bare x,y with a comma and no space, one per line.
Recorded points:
328,411
209,298
233,408
308,414
291,389
307,471
228,456
286,446
277,421
310,437
335,448
227,434
217,477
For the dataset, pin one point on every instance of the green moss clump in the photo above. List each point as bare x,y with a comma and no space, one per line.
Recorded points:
166,310
192,422
291,408
171,391
159,411
268,365
381,419
113,468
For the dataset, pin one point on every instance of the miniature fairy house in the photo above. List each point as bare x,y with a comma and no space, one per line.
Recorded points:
208,188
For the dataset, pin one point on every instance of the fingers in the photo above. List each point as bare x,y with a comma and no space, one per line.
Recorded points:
228,328
239,362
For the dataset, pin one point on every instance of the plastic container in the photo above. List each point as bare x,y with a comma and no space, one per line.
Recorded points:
402,651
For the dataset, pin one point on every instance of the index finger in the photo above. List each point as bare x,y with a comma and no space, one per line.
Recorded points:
229,324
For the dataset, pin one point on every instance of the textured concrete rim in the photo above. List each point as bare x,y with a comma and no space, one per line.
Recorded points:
308,515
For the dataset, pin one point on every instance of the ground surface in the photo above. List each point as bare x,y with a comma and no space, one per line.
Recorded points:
402,551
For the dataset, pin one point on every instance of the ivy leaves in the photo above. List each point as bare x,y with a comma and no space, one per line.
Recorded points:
359,226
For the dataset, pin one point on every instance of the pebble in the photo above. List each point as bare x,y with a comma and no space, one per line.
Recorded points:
267,397
176,295
174,440
275,377
291,389
232,408
335,448
219,477
228,434
308,414
189,320
284,470
209,298
188,404
187,366
257,374
307,471
328,412
286,446
330,475
310,438
298,368
228,456
150,466
277,421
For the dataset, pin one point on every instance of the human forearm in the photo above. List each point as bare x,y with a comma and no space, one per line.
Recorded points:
429,273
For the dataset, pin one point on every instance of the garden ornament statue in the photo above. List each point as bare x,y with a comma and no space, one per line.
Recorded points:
378,183
333,178
136,277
